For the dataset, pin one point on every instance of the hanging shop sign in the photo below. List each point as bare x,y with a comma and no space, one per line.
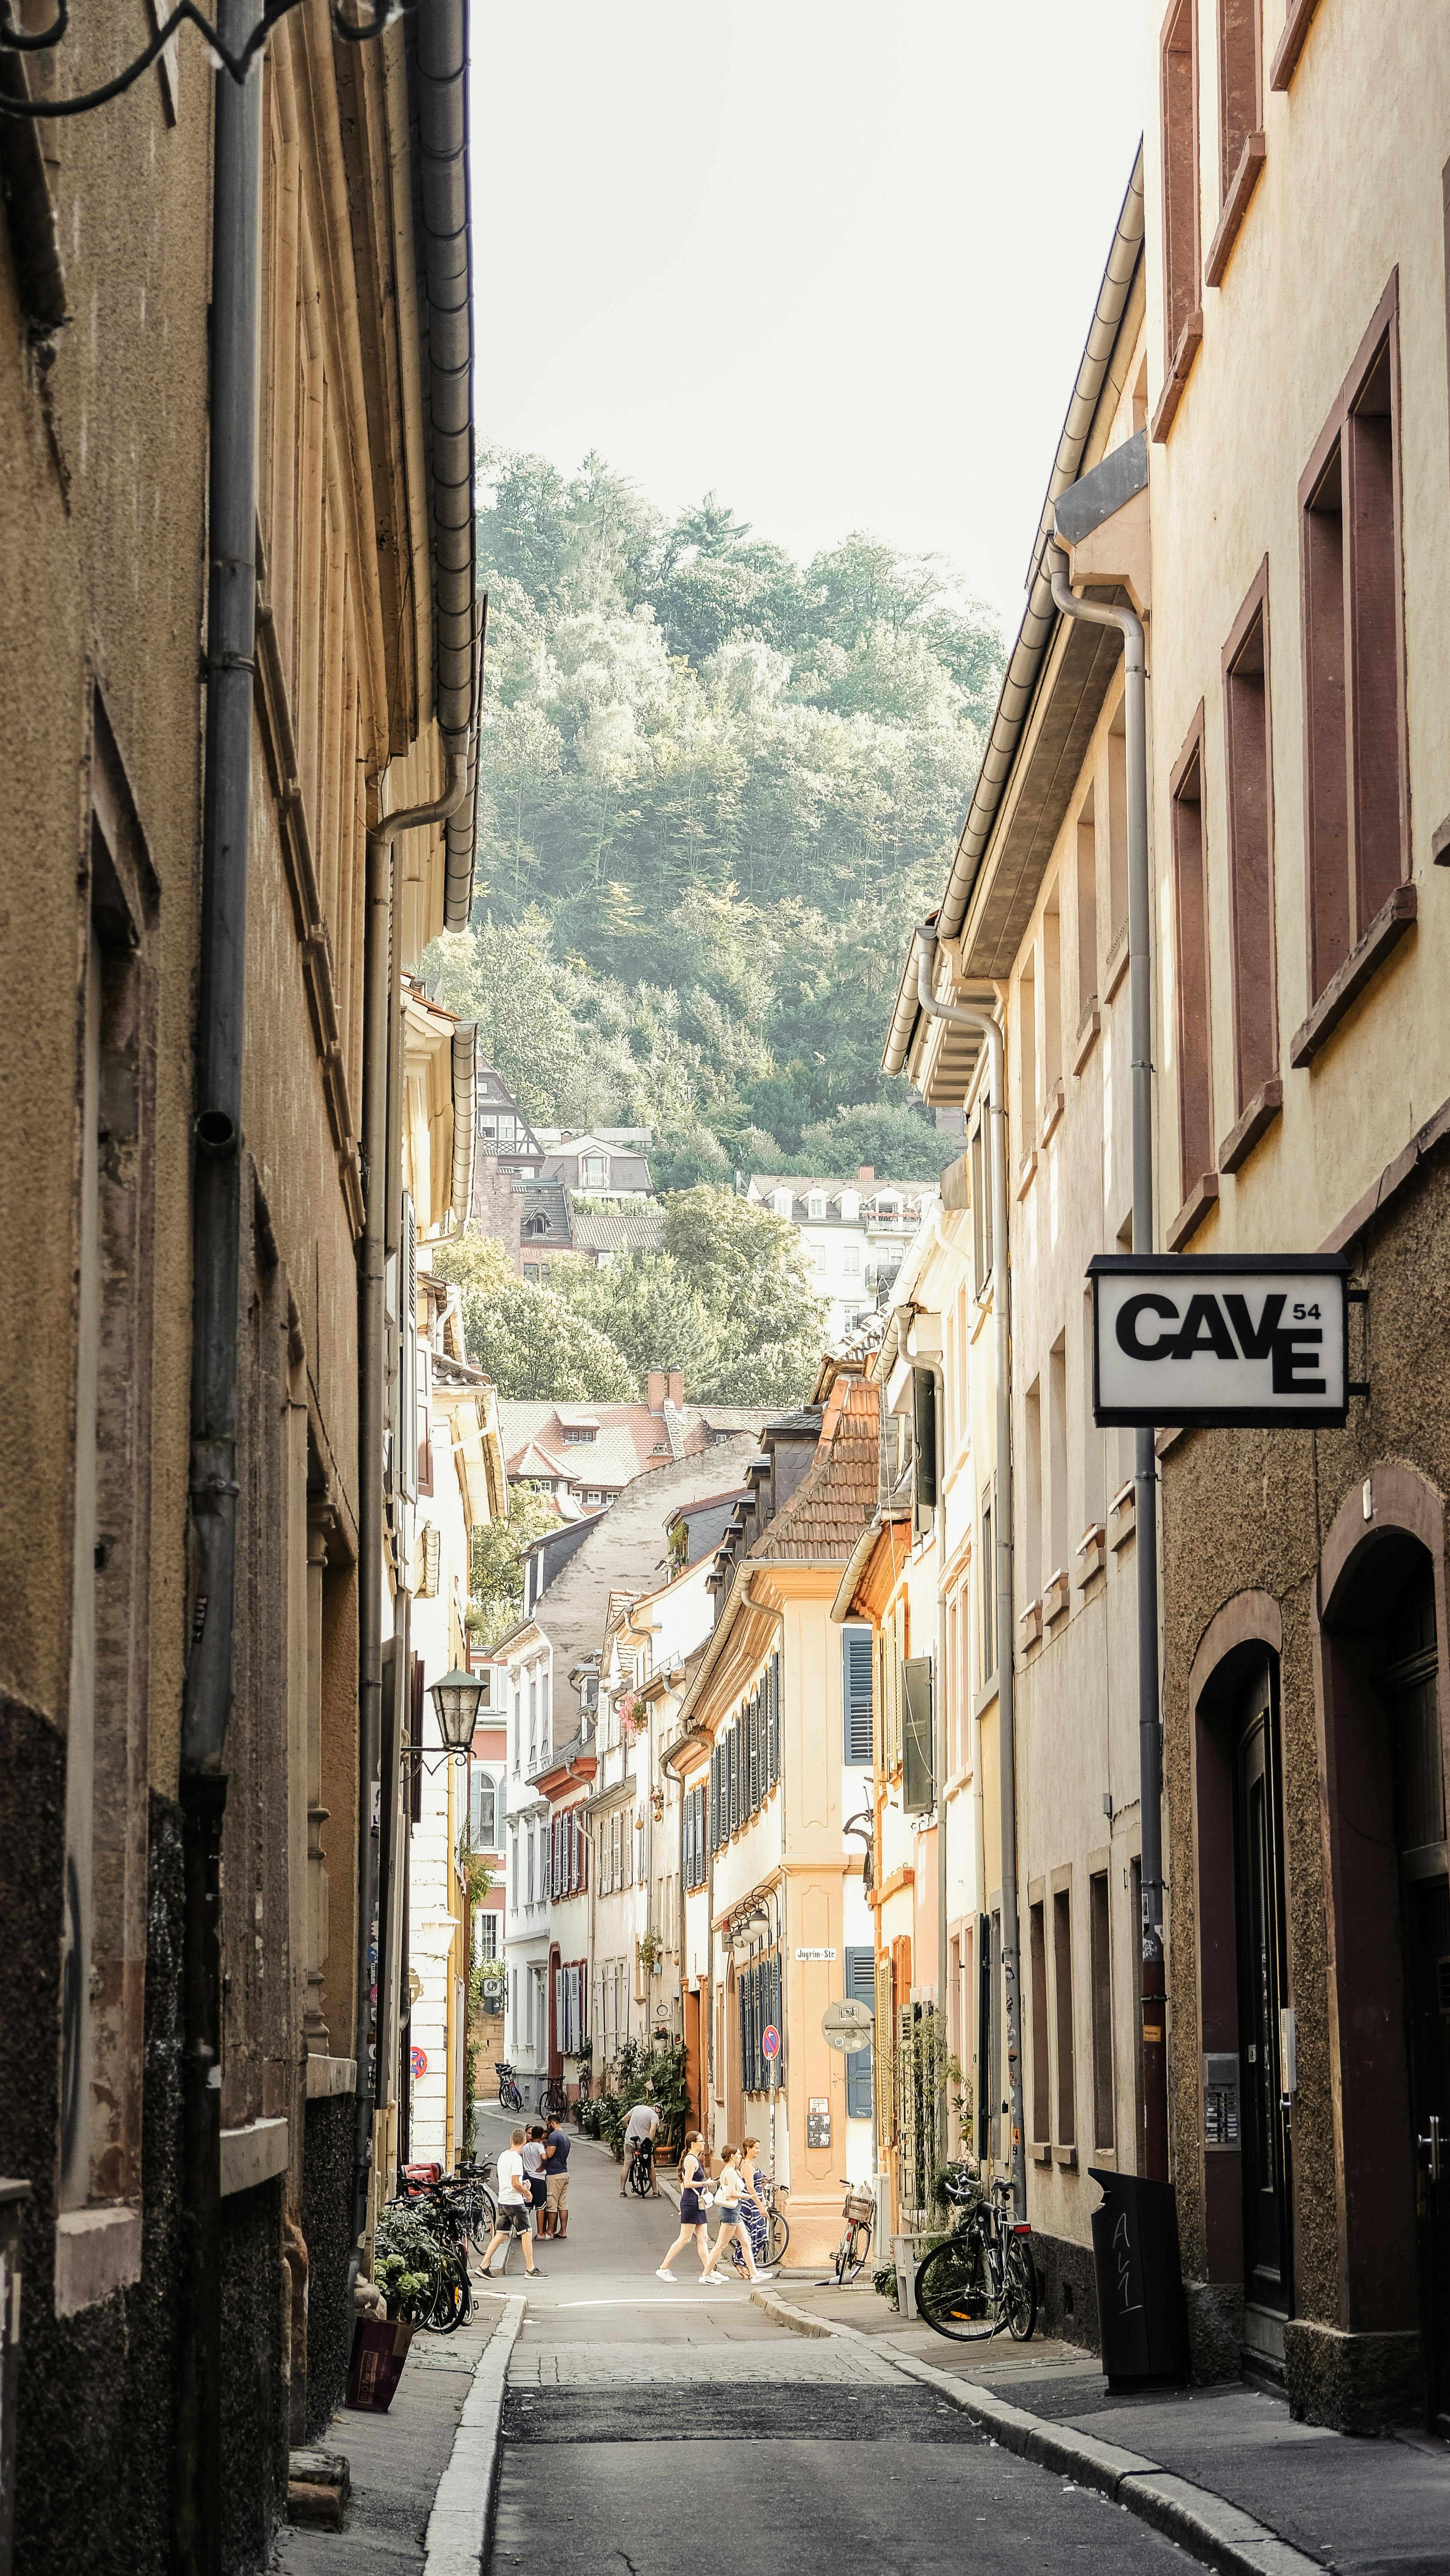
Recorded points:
1220,1339
848,2025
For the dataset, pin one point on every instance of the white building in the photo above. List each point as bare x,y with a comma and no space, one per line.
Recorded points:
524,1659
856,1233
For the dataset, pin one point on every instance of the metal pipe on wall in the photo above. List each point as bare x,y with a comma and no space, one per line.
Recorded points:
1152,1990
217,1236
969,1015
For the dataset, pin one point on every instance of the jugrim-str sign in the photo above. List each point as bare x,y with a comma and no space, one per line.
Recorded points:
1220,1339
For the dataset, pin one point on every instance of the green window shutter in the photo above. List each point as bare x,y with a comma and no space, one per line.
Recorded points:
856,1659
923,1426
860,1982
916,1795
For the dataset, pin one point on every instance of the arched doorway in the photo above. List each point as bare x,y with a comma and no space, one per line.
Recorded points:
1245,1991
1391,1891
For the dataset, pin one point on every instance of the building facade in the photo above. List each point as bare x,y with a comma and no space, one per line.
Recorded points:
855,1232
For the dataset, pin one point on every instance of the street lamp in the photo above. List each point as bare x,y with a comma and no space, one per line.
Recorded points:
456,1699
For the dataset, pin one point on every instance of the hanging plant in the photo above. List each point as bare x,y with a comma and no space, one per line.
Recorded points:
648,1950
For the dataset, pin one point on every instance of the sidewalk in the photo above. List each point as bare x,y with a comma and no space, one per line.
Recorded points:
1226,2470
397,2460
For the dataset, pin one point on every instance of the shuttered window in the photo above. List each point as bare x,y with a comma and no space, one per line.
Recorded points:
916,1788
856,1658
773,1693
860,1983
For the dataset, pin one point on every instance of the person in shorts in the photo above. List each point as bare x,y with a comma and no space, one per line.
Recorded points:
555,2221
533,2155
515,2206
640,2127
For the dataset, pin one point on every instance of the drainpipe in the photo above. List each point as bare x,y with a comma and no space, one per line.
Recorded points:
968,1015
383,930
1140,997
933,1369
216,1236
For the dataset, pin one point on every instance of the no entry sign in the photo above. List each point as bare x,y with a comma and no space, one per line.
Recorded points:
1220,1339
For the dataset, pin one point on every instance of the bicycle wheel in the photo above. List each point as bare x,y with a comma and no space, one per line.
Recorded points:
852,2251
955,2293
640,2176
1019,2289
453,2302
776,2240
482,2215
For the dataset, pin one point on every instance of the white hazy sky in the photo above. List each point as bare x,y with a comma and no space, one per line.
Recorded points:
815,257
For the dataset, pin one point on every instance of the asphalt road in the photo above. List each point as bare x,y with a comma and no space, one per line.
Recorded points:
661,2431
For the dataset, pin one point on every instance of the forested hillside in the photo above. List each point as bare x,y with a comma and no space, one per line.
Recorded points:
715,789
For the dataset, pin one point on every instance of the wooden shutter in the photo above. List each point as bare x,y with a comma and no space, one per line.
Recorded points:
856,1694
916,1787
885,2089
860,1982
774,1681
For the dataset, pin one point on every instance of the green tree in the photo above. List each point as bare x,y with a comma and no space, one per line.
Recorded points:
651,1312
897,1139
528,1340
496,1563
748,1267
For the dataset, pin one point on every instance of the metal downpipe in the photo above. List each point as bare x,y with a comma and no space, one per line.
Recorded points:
1153,1990
216,1257
968,1015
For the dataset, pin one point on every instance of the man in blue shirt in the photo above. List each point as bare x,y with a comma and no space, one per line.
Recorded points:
554,2216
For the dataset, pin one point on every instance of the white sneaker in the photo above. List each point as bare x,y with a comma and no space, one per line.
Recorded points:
765,2276
662,2275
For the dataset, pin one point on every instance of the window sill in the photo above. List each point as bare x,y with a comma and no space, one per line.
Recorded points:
96,2251
1054,1111
1106,2156
1344,987
1087,1035
1190,341
1041,2152
1235,206
1202,1197
1292,42
1256,1121
1056,1594
1029,1623
1122,1515
1117,964
252,2155
1024,1177
1066,2157
1092,1554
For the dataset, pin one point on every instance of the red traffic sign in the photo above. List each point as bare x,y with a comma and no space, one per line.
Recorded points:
770,2041
418,2060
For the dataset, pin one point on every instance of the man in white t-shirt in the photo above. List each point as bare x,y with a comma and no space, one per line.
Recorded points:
515,2206
639,2130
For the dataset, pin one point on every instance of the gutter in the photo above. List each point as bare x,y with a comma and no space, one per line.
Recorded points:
1019,684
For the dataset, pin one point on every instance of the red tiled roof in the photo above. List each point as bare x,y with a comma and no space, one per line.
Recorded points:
837,1495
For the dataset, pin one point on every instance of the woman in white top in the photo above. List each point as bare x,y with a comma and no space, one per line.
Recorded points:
694,2183
515,2206
729,2194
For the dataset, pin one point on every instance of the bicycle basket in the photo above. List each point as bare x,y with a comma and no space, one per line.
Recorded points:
860,2208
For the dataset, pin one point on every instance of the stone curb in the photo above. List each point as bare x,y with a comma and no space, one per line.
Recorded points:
1213,2529
460,2524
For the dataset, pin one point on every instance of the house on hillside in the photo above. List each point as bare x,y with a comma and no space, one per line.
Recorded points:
585,1454
601,1166
504,1133
856,1233
603,1235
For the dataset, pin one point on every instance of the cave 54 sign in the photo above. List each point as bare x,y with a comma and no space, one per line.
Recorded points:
1220,1340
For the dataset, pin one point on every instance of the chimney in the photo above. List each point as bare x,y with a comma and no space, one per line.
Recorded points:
656,1385
676,1388
866,1172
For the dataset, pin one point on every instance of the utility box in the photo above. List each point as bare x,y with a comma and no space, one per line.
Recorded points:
1140,2281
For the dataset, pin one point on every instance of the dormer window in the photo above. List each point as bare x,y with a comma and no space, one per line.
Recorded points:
816,1206
577,1432
593,1171
536,1225
782,1201
851,1206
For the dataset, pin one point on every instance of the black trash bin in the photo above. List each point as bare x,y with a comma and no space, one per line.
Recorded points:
1140,2280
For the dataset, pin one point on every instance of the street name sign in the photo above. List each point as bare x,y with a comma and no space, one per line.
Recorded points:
815,1954
847,2025
1220,1339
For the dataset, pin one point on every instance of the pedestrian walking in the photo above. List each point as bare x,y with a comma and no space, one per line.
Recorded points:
694,2201
515,2210
754,2216
639,2131
729,2198
533,2155
556,2180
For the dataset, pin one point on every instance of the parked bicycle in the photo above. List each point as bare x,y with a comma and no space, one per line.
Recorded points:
421,2260
859,2212
508,2092
553,2102
981,2280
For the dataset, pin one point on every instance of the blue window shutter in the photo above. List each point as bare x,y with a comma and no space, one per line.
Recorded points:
860,1982
856,1662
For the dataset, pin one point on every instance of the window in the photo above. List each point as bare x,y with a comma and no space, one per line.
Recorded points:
917,1769
1027,1056
1041,2062
425,1422
1179,111
1057,1520
1032,1493
816,1206
1135,1903
1190,907
485,1936
1117,833
860,1983
782,1202
1051,1006
981,1170
850,1260
593,1171
1087,910
1101,1964
530,1843
513,1868
482,1811
856,1657
1249,813
850,1205
577,1435
1062,1988
1356,789
1240,107
1093,1498
987,1591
